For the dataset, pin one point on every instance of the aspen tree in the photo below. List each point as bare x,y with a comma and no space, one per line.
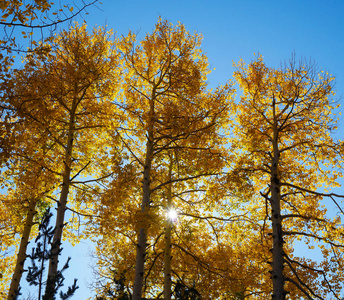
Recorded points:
62,90
165,106
166,102
26,183
284,121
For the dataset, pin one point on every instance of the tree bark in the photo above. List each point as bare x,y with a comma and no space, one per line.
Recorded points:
277,236
21,256
142,232
61,208
167,252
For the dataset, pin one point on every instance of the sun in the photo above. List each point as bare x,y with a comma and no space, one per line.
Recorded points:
172,214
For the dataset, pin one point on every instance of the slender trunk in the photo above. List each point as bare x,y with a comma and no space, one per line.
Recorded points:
61,208
277,250
21,256
167,253
142,234
167,262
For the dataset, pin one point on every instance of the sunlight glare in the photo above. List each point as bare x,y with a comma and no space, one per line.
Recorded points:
172,214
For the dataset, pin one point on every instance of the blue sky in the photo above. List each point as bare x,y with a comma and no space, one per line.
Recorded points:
238,29
231,30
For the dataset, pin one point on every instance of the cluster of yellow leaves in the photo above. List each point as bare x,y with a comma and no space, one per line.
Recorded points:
18,11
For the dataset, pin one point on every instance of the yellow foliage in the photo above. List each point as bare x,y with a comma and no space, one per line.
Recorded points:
282,128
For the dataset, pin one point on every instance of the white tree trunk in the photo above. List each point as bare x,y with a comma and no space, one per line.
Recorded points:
21,256
61,207
142,232
167,252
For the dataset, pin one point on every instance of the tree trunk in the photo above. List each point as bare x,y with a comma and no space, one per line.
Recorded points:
142,234
277,236
21,256
167,262
61,208
167,253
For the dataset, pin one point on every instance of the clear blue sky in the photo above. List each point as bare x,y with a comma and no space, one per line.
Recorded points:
231,30
238,29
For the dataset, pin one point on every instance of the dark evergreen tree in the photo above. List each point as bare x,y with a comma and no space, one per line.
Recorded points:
40,255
